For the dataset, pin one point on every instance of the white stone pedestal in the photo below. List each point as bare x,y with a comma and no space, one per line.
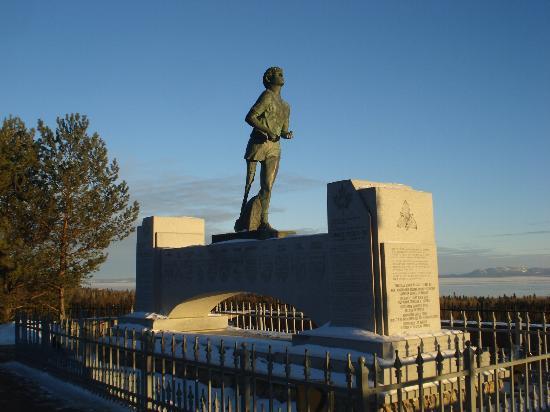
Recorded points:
383,346
186,324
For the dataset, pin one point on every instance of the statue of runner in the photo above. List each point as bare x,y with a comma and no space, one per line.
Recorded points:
269,118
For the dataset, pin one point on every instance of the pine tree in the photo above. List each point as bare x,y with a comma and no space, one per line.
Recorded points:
90,207
22,230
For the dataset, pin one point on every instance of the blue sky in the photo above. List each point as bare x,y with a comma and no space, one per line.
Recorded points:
448,97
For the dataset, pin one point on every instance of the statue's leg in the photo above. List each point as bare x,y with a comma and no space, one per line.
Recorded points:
270,167
250,172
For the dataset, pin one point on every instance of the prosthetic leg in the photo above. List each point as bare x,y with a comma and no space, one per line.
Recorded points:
250,172
255,212
270,167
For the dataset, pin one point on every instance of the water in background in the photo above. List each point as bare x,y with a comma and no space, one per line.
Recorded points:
495,286
469,286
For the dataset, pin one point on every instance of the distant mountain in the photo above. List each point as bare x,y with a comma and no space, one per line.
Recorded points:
502,271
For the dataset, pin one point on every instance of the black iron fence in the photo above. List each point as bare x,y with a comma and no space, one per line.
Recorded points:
500,315
179,372
484,325
264,316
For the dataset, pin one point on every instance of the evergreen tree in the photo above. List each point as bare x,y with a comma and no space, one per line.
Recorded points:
22,230
90,207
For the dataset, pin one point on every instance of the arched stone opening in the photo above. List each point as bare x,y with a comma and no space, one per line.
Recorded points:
262,312
245,310
200,305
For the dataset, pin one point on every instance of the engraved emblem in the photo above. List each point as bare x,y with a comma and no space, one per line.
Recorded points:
342,199
406,219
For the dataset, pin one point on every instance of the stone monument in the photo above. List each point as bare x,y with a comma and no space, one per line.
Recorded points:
387,229
371,281
383,264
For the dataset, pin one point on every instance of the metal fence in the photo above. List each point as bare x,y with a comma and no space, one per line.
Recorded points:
484,325
264,316
179,372
500,315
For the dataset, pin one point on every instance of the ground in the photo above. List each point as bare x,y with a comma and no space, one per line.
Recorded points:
27,389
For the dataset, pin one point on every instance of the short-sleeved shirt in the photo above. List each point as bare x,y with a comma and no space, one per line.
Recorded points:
274,113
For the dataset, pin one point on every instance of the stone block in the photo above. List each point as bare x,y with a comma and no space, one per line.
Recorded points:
375,269
410,287
154,234
184,324
383,257
198,324
384,346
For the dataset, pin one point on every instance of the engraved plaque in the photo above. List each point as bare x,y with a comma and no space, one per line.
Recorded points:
411,287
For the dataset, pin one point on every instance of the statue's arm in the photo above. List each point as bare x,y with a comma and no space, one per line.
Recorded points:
285,133
252,118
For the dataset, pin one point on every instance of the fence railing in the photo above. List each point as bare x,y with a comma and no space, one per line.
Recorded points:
500,315
287,319
179,372
265,317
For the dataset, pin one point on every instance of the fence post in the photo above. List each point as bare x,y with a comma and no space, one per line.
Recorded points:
540,372
146,372
470,378
398,377
479,334
518,335
363,386
245,368
528,335
17,331
420,371
45,333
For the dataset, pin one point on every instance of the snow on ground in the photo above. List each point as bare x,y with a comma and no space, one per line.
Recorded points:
70,395
344,332
254,333
7,334
360,334
145,315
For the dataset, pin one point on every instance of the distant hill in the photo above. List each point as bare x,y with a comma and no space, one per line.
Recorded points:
112,283
502,271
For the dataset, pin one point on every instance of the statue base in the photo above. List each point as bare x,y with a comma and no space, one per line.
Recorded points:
250,217
252,235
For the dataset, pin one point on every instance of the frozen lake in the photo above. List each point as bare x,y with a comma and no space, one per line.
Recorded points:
469,286
495,286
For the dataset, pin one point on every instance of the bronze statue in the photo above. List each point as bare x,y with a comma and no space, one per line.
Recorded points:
269,117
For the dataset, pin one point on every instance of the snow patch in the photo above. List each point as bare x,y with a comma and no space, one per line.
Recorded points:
360,334
131,326
71,395
145,315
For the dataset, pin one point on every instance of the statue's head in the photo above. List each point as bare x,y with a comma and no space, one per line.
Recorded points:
273,76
